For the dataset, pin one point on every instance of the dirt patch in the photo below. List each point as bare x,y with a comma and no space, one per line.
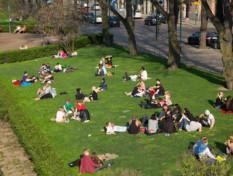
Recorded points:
13,159
11,41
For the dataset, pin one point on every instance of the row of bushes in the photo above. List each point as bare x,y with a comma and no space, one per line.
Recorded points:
46,162
44,51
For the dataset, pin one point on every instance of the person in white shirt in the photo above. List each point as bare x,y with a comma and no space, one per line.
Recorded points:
61,115
111,128
207,119
57,67
143,74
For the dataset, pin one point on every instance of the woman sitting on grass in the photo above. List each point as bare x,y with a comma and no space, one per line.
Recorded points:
110,128
61,116
134,125
26,80
153,126
48,77
229,146
93,95
61,54
207,119
189,125
46,92
81,113
68,107
219,102
167,123
138,91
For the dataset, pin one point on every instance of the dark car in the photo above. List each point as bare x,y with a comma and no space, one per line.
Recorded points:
162,18
211,39
151,20
113,21
88,16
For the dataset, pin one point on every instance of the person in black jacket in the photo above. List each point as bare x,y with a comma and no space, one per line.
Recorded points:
79,95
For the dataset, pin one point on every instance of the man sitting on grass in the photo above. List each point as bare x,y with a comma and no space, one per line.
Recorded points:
46,92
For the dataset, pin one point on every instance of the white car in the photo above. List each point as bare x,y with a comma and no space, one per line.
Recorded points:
138,14
98,19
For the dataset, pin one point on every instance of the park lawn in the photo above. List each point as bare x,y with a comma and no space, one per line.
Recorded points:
153,155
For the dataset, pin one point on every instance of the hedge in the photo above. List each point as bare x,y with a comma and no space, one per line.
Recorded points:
46,162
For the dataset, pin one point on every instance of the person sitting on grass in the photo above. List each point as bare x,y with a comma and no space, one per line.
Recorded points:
167,124
143,74
110,128
61,116
228,104
202,151
134,125
189,125
46,92
156,91
81,113
93,95
79,95
48,77
138,91
207,119
87,165
229,146
176,112
219,102
45,68
103,85
153,126
58,68
68,107
108,61
26,80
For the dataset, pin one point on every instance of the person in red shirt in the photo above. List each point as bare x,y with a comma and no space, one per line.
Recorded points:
87,165
81,113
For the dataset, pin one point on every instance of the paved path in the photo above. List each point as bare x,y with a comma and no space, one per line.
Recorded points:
13,159
209,58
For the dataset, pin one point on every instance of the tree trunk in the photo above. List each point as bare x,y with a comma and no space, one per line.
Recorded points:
174,48
107,37
187,8
203,28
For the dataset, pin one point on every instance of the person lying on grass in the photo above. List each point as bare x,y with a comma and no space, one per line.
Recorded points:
46,92
26,80
207,119
134,125
229,146
103,85
138,91
142,75
202,151
93,95
111,128
81,113
189,125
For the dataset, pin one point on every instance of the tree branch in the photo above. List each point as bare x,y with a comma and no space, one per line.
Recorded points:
216,22
160,8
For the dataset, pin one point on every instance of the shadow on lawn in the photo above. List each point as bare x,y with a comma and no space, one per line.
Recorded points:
221,146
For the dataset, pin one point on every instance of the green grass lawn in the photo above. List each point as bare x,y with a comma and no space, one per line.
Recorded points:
152,155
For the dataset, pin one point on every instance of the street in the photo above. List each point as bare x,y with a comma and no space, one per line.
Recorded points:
208,58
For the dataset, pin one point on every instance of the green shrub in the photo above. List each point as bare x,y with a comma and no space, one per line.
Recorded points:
190,166
96,38
46,162
38,52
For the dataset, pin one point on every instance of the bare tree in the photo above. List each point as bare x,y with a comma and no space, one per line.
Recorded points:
223,25
128,23
61,21
174,48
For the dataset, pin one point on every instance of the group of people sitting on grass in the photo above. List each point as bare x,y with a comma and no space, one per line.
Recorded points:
104,64
224,103
63,54
26,80
69,111
169,120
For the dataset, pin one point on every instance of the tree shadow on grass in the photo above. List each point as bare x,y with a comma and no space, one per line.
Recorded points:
221,146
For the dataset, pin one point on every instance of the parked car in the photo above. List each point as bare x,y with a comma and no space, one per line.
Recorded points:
212,39
162,18
95,7
151,20
95,19
113,21
138,14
